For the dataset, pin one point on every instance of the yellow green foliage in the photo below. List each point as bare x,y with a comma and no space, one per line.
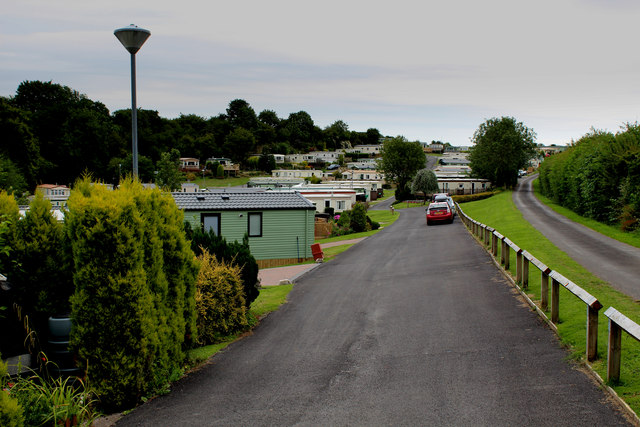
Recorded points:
10,410
219,299
133,307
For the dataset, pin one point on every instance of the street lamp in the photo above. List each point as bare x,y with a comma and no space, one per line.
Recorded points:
132,38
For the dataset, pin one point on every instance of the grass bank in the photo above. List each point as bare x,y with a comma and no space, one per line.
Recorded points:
383,217
501,213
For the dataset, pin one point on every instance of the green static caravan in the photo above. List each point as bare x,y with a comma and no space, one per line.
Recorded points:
280,225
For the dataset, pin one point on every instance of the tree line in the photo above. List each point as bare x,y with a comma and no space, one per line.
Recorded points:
598,177
53,134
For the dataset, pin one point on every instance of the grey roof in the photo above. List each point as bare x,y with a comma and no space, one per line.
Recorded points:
241,200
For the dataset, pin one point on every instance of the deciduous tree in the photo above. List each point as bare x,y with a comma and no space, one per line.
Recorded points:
425,182
502,147
400,161
169,175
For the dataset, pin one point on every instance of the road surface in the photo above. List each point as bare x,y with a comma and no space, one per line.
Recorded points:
614,262
412,326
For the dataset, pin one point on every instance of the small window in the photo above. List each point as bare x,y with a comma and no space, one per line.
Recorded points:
340,205
211,222
327,203
255,224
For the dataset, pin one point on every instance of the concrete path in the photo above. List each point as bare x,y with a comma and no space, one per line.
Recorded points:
274,276
412,326
611,260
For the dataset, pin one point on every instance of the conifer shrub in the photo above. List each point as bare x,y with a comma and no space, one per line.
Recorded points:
41,273
134,277
219,299
171,272
230,252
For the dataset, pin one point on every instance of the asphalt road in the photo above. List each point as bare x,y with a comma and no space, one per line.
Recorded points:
413,326
614,262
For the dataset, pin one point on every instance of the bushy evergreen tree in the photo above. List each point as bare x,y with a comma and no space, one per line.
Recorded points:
219,299
134,279
42,276
231,252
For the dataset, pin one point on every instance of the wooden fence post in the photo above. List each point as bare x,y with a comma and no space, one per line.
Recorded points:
613,354
592,332
488,232
494,244
525,272
544,291
519,266
555,300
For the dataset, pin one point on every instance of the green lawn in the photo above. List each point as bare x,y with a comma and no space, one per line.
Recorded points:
387,195
500,213
219,183
384,217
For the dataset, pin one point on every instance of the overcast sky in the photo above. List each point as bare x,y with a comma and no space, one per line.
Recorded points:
427,70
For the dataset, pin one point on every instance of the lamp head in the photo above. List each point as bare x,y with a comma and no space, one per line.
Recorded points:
132,37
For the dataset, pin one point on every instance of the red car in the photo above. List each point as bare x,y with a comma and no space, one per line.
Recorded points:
439,212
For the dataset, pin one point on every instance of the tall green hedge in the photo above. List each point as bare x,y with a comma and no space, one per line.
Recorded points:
598,177
134,278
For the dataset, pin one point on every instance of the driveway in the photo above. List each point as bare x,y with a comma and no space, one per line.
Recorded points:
612,261
412,326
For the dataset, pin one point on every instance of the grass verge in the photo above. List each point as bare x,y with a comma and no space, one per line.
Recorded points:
501,213
384,217
270,299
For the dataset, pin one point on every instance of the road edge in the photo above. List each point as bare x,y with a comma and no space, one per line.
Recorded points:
624,406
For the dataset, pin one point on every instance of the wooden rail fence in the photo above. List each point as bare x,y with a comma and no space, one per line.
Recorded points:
499,245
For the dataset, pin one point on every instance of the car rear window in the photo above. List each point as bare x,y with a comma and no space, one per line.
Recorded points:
439,207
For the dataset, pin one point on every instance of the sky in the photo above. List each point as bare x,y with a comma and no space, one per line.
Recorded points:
426,70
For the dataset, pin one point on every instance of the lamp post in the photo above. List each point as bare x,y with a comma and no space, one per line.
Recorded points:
132,38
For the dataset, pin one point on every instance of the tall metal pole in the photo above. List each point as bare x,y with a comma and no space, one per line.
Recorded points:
134,117
132,38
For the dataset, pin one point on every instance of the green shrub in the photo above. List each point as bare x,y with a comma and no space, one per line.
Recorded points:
171,271
402,194
219,299
374,225
54,401
235,253
11,414
598,177
344,221
464,198
359,218
42,276
134,300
